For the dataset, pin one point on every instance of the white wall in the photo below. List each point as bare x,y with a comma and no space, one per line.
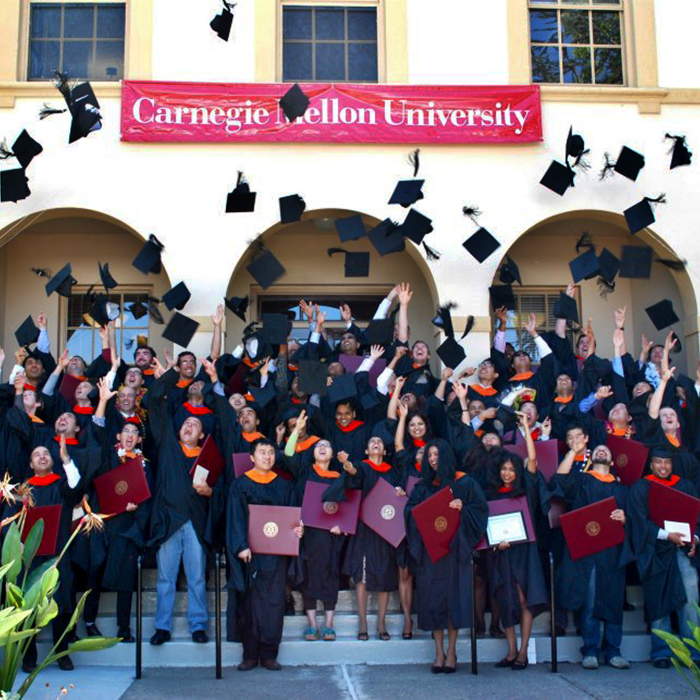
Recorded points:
677,43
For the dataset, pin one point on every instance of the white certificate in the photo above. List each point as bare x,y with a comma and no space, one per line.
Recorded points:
509,527
683,528
200,475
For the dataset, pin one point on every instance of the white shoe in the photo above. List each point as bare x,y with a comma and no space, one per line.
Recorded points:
619,662
590,663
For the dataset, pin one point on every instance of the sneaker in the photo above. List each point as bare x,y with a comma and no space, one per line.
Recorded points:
618,662
590,663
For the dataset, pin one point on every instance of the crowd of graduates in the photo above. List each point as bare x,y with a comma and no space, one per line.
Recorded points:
304,417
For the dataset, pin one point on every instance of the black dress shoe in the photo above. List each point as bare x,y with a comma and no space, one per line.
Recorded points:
271,665
437,668
200,637
28,666
93,630
126,636
505,662
662,663
160,637
247,665
65,664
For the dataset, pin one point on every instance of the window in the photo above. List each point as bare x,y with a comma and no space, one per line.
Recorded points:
539,301
85,40
329,44
84,340
577,42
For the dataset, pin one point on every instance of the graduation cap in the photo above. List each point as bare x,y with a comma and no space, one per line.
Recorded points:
221,24
481,245
585,266
380,331
609,265
154,311
266,269
506,416
676,265
350,228
27,334
180,330
680,153
177,297
102,310
241,199
291,208
313,377
342,388
13,185
275,329
628,164
238,305
356,264
108,282
85,112
635,262
407,192
138,309
502,295
566,307
416,226
443,319
148,259
61,282
25,148
641,215
662,314
294,103
451,353
558,177
509,272
575,145
387,237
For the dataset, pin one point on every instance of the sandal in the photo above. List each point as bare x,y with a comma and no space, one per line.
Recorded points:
497,633
328,634
409,634
310,634
505,662
384,636
363,636
435,668
519,665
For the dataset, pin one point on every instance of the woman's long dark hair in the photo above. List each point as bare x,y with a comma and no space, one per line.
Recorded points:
447,463
428,431
494,481
479,461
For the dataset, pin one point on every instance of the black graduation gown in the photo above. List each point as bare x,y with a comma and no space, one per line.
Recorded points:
354,442
445,588
657,559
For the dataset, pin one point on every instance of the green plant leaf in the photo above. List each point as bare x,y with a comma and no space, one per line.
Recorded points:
40,570
14,595
93,644
4,569
12,552
31,544
8,623
46,613
17,636
49,581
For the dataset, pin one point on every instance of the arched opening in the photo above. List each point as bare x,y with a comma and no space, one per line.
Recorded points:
302,247
49,239
542,254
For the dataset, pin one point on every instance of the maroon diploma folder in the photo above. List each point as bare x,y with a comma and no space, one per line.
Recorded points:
557,508
122,485
547,455
382,511
411,484
352,363
211,459
242,463
51,515
666,503
437,523
67,389
325,515
510,505
271,530
629,458
590,529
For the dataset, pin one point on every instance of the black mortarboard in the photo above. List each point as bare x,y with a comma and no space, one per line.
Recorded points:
313,377
662,314
635,262
180,329
27,334
275,328
680,153
443,320
85,112
387,238
61,282
416,226
102,310
108,282
177,297
407,192
350,228
266,269
356,264
451,353
13,185
241,199
148,259
566,307
505,415
510,272
294,103
264,396
291,208
628,164
138,309
25,148
609,265
154,311
343,387
585,266
238,305
502,295
641,215
380,331
221,24
558,178
481,245
575,145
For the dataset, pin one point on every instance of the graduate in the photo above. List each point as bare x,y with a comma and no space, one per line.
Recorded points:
262,577
443,589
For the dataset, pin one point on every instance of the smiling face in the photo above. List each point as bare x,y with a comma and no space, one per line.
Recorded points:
521,362
476,407
323,452
582,346
344,414
530,410
508,473
263,457
409,400
661,467
191,431
67,425
237,402
195,393
490,440
576,436
248,419
656,354
619,415
335,369
669,420
420,353
486,372
126,400
434,457
133,378
76,366
41,461
188,366
82,391
30,400
417,428
640,388
565,386
143,358
349,344
375,447
129,438
33,368
602,455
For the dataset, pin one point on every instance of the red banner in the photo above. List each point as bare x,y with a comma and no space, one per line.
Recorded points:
343,113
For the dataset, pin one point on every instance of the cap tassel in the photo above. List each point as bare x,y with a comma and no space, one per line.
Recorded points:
391,228
676,140
605,287
42,272
47,111
333,251
468,327
431,253
608,167
585,241
414,160
241,178
676,265
5,152
472,212
661,199
580,161
152,239
229,5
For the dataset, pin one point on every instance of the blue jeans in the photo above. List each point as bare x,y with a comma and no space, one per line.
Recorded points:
184,545
689,576
590,629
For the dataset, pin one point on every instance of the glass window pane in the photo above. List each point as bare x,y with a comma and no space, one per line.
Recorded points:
45,22
297,61
43,59
575,28
608,66
78,22
606,28
296,24
543,26
330,61
362,62
545,64
80,343
77,58
362,24
130,341
577,65
330,24
109,62
606,2
110,22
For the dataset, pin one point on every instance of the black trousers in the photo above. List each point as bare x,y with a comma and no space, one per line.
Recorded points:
254,650
58,625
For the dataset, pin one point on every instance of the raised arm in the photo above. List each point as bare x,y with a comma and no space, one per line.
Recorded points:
405,295
400,429
529,442
392,408
560,327
658,395
217,319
